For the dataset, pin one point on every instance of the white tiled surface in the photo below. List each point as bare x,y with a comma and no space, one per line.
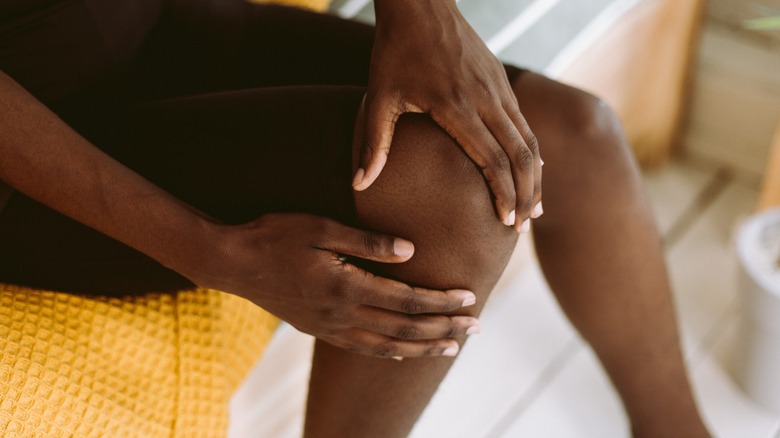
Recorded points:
544,381
672,189
578,402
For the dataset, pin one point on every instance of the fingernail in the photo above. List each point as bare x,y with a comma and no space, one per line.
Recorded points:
469,298
474,329
526,227
510,219
541,161
403,248
451,351
359,174
537,210
398,358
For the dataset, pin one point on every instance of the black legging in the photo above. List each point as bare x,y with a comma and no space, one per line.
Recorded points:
262,124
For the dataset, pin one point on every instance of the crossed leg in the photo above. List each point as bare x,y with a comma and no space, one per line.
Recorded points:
597,245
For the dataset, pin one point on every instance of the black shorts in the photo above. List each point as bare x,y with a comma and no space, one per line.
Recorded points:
239,111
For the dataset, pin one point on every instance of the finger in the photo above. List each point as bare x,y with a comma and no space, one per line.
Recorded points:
480,145
381,116
369,245
377,345
393,295
418,327
533,145
522,162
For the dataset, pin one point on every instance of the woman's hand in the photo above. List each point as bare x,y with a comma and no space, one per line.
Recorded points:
426,58
294,266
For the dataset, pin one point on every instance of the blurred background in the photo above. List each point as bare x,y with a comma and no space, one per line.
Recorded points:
699,93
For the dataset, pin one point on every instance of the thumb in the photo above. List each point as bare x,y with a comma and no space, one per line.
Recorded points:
367,245
381,116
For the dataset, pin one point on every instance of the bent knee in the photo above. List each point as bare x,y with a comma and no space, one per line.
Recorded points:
589,123
431,193
582,142
566,117
427,173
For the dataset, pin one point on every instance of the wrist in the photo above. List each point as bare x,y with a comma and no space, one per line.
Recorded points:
190,246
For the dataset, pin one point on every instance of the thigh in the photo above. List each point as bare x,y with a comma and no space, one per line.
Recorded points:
232,44
232,155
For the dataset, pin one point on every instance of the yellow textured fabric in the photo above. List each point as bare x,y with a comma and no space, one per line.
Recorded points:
151,366
316,5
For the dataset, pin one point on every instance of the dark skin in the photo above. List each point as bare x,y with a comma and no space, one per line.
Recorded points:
426,59
251,260
95,189
464,89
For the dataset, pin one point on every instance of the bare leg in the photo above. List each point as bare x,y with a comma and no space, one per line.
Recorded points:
601,253
433,195
596,241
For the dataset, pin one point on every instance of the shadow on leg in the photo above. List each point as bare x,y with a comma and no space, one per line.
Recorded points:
433,195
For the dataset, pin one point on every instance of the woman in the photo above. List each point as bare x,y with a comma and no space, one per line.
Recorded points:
231,126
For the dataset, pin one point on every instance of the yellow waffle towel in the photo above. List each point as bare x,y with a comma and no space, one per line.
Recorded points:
148,366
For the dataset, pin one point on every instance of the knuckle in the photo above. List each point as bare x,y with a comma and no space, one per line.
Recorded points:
412,304
524,157
532,142
349,340
363,346
461,108
456,110
485,88
376,244
447,305
459,98
370,145
407,332
332,316
386,349
499,162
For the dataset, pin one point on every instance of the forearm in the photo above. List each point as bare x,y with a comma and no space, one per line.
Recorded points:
383,7
46,160
407,13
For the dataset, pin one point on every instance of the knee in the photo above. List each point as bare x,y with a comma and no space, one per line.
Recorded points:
591,125
427,173
586,139
431,193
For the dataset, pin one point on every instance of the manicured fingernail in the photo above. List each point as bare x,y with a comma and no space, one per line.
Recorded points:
359,174
403,248
526,227
541,161
469,299
509,220
537,210
398,358
474,329
451,351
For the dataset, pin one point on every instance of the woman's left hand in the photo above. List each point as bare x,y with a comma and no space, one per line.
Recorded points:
426,58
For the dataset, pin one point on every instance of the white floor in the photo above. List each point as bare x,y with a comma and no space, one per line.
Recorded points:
550,384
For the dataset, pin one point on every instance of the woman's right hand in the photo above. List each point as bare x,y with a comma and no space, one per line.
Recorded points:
294,266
